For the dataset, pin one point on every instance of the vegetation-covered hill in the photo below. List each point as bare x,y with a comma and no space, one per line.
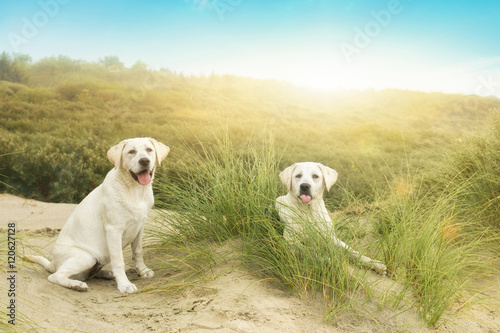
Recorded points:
59,116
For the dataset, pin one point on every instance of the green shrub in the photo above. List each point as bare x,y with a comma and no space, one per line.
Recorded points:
90,91
8,89
52,169
36,95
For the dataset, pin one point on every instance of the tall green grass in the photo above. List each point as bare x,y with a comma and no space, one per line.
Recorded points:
220,191
475,161
423,246
315,270
431,245
232,196
439,230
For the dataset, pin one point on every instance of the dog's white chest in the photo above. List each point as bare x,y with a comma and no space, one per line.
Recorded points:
298,218
134,222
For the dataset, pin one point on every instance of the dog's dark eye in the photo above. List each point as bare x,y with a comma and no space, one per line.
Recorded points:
315,176
149,150
132,152
298,176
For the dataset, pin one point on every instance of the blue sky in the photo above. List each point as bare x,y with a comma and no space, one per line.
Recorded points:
449,46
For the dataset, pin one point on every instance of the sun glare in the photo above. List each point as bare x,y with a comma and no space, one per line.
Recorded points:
381,74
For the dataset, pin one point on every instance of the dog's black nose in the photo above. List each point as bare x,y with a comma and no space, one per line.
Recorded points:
144,162
305,187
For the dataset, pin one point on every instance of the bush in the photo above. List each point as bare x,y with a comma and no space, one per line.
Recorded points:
12,70
36,95
90,91
52,169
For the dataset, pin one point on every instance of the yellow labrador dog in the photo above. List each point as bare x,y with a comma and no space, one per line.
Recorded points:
110,218
304,202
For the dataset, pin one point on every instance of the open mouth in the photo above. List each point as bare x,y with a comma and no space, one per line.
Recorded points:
144,177
306,198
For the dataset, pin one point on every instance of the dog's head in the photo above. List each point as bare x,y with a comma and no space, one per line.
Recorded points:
138,157
308,180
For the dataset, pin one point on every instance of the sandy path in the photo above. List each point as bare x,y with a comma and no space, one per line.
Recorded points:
231,300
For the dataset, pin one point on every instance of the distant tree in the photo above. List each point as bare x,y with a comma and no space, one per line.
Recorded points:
112,63
13,70
139,71
49,71
139,66
23,59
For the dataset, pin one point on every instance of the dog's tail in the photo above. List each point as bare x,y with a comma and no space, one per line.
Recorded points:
44,262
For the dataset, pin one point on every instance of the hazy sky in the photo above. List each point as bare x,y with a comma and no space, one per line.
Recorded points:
449,46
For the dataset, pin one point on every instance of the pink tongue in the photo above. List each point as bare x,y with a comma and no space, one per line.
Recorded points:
144,177
305,198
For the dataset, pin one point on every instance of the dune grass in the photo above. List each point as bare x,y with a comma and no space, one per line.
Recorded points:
223,192
420,236
438,230
475,161
420,231
232,196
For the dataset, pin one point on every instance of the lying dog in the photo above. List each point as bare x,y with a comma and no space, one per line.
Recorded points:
110,218
305,183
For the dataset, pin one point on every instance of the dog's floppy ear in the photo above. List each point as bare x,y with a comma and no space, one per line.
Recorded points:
286,176
329,176
115,153
161,150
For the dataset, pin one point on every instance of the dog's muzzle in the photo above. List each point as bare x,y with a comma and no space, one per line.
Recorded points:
144,177
305,193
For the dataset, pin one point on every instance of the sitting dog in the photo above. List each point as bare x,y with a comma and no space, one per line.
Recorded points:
304,203
110,218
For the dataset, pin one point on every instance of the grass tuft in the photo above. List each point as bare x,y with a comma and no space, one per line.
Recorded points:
424,248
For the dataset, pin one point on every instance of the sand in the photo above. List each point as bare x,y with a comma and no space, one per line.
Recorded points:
231,299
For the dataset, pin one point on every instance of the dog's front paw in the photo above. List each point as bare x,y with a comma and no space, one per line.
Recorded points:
127,287
79,286
379,267
146,273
